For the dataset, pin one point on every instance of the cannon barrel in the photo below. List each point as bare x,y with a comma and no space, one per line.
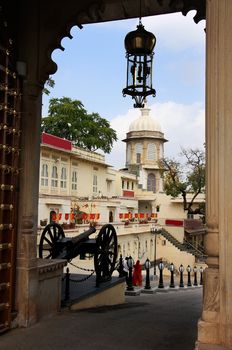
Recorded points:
69,248
83,236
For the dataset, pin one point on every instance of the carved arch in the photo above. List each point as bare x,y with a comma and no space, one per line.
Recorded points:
92,13
99,11
189,5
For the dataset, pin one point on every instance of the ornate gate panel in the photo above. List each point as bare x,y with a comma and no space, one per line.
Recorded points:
9,171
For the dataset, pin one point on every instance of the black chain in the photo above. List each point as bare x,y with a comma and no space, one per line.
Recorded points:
80,268
82,279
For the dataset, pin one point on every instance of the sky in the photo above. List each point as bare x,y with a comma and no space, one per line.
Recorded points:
92,69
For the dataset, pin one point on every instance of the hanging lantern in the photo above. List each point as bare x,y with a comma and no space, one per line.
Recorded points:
139,45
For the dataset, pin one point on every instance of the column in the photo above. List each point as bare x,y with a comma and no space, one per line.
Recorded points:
26,265
215,327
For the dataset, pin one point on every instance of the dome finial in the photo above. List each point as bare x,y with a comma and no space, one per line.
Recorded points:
145,110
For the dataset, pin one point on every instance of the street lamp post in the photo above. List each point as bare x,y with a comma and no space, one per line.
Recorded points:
147,266
161,282
154,231
195,276
201,274
130,263
181,270
189,283
171,269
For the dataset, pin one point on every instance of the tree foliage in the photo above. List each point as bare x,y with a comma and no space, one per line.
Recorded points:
68,118
50,83
187,178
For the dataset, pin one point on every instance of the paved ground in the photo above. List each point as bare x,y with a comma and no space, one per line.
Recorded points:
162,321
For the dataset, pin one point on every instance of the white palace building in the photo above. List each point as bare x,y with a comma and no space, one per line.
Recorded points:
78,187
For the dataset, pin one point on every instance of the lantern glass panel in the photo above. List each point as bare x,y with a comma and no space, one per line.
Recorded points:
139,75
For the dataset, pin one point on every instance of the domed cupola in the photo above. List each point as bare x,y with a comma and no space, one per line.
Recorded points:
144,148
144,122
144,141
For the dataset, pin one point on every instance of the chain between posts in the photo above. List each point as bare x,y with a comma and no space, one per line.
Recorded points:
80,268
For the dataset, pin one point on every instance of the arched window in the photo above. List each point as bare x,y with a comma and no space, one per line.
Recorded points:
44,175
111,216
151,151
52,216
151,182
138,152
54,181
63,181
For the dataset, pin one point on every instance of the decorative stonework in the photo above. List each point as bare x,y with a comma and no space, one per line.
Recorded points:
211,301
46,266
189,5
92,13
27,225
100,11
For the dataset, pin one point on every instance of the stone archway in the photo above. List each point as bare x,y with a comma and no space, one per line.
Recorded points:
48,24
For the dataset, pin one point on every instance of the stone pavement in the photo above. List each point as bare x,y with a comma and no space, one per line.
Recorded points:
160,321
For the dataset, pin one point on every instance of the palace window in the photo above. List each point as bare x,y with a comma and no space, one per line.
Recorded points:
151,182
151,151
44,175
54,181
74,180
63,177
94,183
138,152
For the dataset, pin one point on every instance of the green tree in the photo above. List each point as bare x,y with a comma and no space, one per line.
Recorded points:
186,178
50,83
68,118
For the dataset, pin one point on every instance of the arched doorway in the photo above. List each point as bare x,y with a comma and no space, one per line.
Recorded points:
52,216
111,216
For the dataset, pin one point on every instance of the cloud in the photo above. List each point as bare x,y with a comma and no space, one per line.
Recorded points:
173,31
182,124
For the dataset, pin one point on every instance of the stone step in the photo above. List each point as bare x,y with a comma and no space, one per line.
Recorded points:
86,295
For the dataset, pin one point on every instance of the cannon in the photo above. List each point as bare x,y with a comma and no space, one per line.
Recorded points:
54,245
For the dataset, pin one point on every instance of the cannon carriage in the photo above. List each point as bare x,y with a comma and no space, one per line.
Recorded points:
54,245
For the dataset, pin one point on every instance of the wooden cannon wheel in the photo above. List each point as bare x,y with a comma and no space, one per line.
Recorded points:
106,253
48,248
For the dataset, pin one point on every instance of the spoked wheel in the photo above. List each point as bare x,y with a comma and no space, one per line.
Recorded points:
106,253
51,234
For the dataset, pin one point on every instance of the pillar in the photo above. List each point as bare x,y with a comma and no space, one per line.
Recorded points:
29,45
215,326
26,265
